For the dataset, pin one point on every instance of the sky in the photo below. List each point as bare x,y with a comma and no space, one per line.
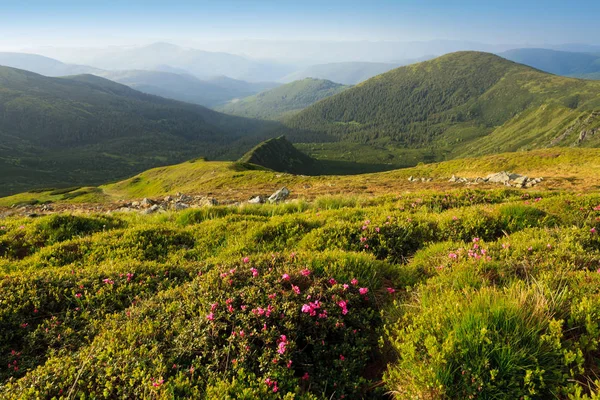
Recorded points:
34,23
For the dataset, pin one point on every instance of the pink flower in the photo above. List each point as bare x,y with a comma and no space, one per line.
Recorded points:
323,315
475,240
363,290
593,230
272,296
78,295
305,377
254,271
289,364
214,306
108,281
332,281
296,289
342,357
354,281
345,286
275,389
344,306
363,239
453,256
210,316
285,277
281,347
311,308
377,229
305,272
391,290
246,260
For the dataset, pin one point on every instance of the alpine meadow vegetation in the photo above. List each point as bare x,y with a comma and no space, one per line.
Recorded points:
471,293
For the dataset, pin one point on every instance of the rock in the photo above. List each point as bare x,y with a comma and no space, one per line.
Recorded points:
180,206
210,201
429,179
135,204
520,181
479,180
453,179
147,202
500,177
257,200
410,178
151,210
168,199
279,195
184,198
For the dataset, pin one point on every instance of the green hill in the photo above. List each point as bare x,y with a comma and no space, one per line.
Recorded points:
280,155
283,100
461,104
556,62
87,130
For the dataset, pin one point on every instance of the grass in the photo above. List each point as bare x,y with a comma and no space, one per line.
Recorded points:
562,168
497,284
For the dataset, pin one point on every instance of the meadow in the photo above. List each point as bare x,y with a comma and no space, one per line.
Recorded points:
466,293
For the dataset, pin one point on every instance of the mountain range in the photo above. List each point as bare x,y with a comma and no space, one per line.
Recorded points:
581,65
185,87
82,129
87,129
171,58
460,104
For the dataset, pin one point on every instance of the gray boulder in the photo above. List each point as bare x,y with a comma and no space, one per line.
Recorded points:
499,177
279,195
257,200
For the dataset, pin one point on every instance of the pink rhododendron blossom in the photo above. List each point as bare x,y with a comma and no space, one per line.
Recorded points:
210,316
285,277
391,290
305,272
246,260
254,271
344,306
296,289
363,290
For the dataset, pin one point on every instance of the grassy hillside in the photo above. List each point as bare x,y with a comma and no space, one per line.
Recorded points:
565,169
284,100
185,87
556,62
461,104
87,130
445,294
347,73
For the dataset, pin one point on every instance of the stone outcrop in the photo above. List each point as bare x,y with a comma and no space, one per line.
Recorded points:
503,177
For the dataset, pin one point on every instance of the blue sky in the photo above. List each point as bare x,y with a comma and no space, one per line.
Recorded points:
68,22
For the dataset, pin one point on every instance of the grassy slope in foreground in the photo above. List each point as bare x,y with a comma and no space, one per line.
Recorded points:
458,105
284,100
574,169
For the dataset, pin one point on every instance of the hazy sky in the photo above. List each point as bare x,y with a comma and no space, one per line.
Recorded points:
33,23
